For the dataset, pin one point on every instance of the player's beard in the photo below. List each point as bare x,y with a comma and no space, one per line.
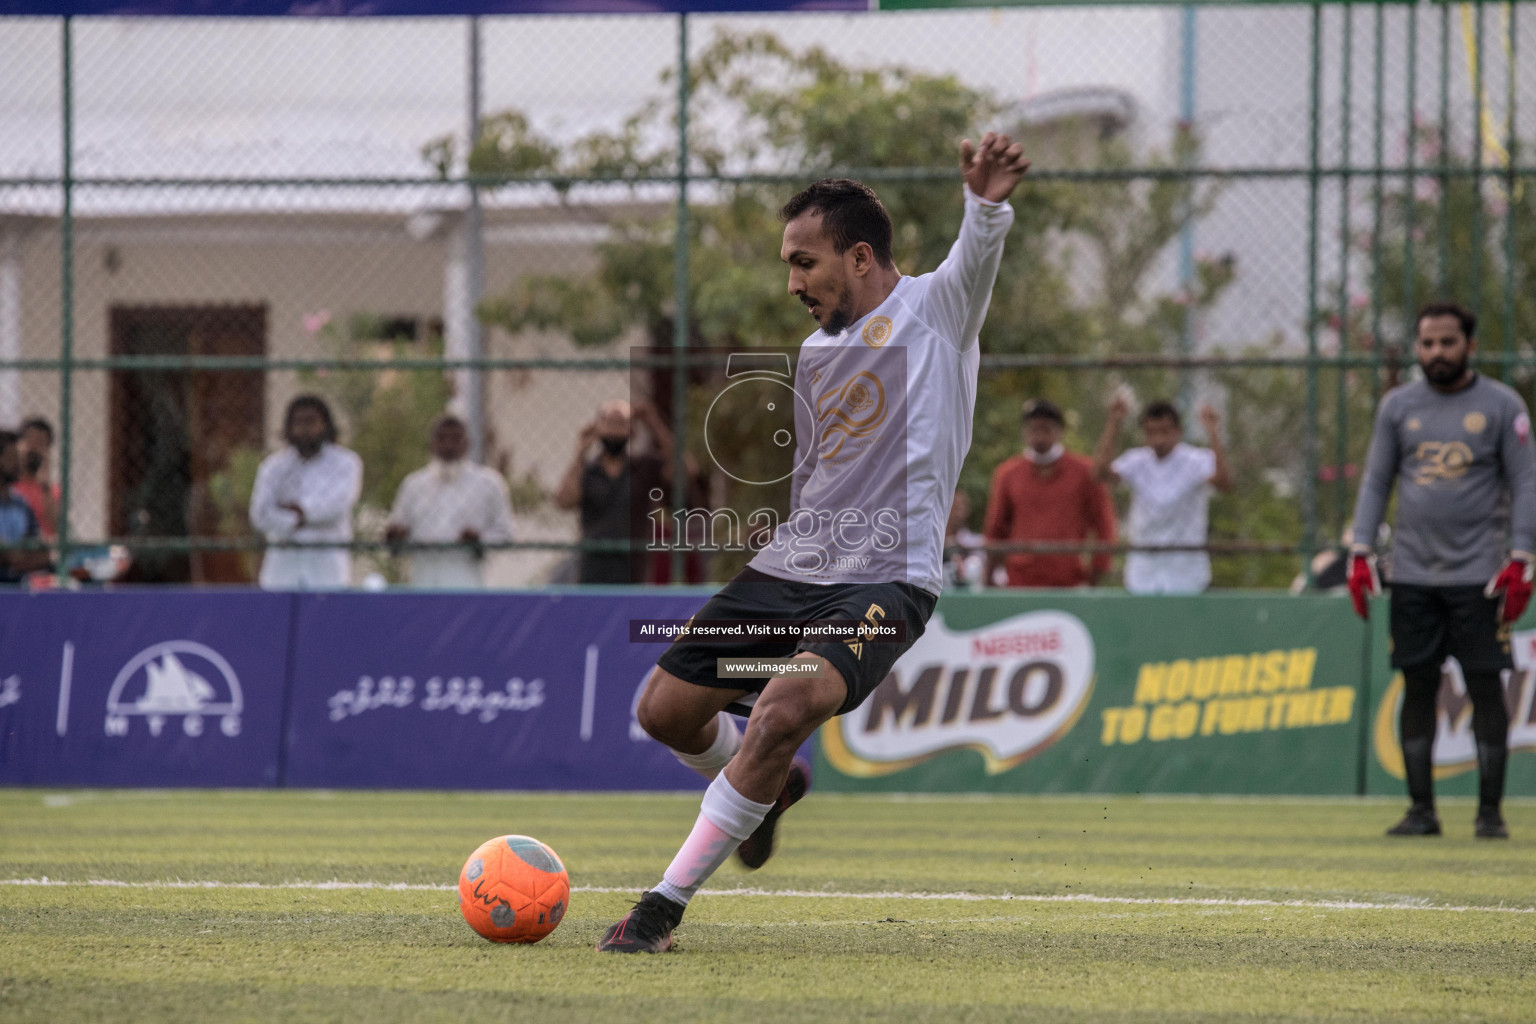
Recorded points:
838,320
1444,371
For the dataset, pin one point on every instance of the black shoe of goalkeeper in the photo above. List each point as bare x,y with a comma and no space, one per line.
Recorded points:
1419,821
1490,824
645,929
755,850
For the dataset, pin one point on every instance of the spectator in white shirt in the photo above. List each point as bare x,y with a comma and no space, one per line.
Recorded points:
304,494
450,500
1170,484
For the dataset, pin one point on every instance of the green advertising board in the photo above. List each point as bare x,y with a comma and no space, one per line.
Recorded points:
1071,692
1082,691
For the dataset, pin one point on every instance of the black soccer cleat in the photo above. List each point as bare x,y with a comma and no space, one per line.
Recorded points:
645,929
1490,824
1419,821
755,850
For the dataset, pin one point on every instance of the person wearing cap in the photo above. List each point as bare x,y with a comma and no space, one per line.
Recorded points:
1047,494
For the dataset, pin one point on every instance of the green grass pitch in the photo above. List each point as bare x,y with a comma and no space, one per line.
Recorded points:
875,909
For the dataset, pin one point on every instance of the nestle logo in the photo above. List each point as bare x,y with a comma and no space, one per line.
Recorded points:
1002,645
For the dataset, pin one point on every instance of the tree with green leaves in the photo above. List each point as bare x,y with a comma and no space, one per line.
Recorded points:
1074,279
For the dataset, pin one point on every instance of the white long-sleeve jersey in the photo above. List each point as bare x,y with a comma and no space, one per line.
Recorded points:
883,423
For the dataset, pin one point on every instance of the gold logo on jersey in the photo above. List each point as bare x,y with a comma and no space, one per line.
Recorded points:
1474,422
1413,423
1441,460
852,411
878,331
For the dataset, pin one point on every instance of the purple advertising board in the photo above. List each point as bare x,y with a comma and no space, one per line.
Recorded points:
142,689
477,691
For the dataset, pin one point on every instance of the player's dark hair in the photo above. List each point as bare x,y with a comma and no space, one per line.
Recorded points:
1162,411
850,213
316,403
38,423
1464,316
448,419
8,438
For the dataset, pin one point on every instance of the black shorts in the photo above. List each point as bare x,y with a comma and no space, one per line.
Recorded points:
1430,623
754,595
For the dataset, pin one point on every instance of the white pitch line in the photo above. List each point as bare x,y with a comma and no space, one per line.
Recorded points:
822,894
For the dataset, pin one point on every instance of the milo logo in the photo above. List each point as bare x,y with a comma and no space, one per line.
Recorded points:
1007,690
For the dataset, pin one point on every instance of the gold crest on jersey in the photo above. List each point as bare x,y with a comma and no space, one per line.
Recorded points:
1474,422
1441,460
877,331
852,411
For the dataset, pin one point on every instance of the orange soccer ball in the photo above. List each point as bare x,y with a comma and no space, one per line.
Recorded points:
514,889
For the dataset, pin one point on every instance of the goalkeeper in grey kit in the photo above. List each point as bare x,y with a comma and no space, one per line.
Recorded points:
1459,446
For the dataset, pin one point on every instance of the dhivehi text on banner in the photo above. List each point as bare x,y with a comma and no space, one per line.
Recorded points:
477,691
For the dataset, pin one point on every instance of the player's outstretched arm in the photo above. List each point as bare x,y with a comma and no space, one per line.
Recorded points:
993,168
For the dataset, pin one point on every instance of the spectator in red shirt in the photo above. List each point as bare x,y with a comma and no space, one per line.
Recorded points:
1048,494
36,486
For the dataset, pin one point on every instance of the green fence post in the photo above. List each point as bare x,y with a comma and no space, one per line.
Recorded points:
1410,206
1340,410
1444,277
1378,90
66,296
1511,33
680,271
1475,73
1309,491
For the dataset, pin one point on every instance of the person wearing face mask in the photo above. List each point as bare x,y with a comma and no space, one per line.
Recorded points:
1047,494
616,489
305,493
1170,484
17,522
450,500
37,486
1458,446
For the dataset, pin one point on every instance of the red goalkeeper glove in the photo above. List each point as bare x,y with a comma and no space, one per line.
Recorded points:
1512,586
1363,582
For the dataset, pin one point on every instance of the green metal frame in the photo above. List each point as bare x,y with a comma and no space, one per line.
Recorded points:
1509,174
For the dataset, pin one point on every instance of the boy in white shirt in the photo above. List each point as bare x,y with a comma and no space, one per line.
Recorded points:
1170,484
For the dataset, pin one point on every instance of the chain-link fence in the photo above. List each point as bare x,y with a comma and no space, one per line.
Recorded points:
201,219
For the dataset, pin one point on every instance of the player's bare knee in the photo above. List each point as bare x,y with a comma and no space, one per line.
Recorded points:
656,715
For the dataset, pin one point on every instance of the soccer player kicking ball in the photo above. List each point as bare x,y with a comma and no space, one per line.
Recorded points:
885,393
1460,446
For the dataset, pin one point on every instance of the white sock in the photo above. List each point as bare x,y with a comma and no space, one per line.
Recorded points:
713,761
725,819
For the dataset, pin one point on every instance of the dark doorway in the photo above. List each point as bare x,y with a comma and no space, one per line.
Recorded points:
174,433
